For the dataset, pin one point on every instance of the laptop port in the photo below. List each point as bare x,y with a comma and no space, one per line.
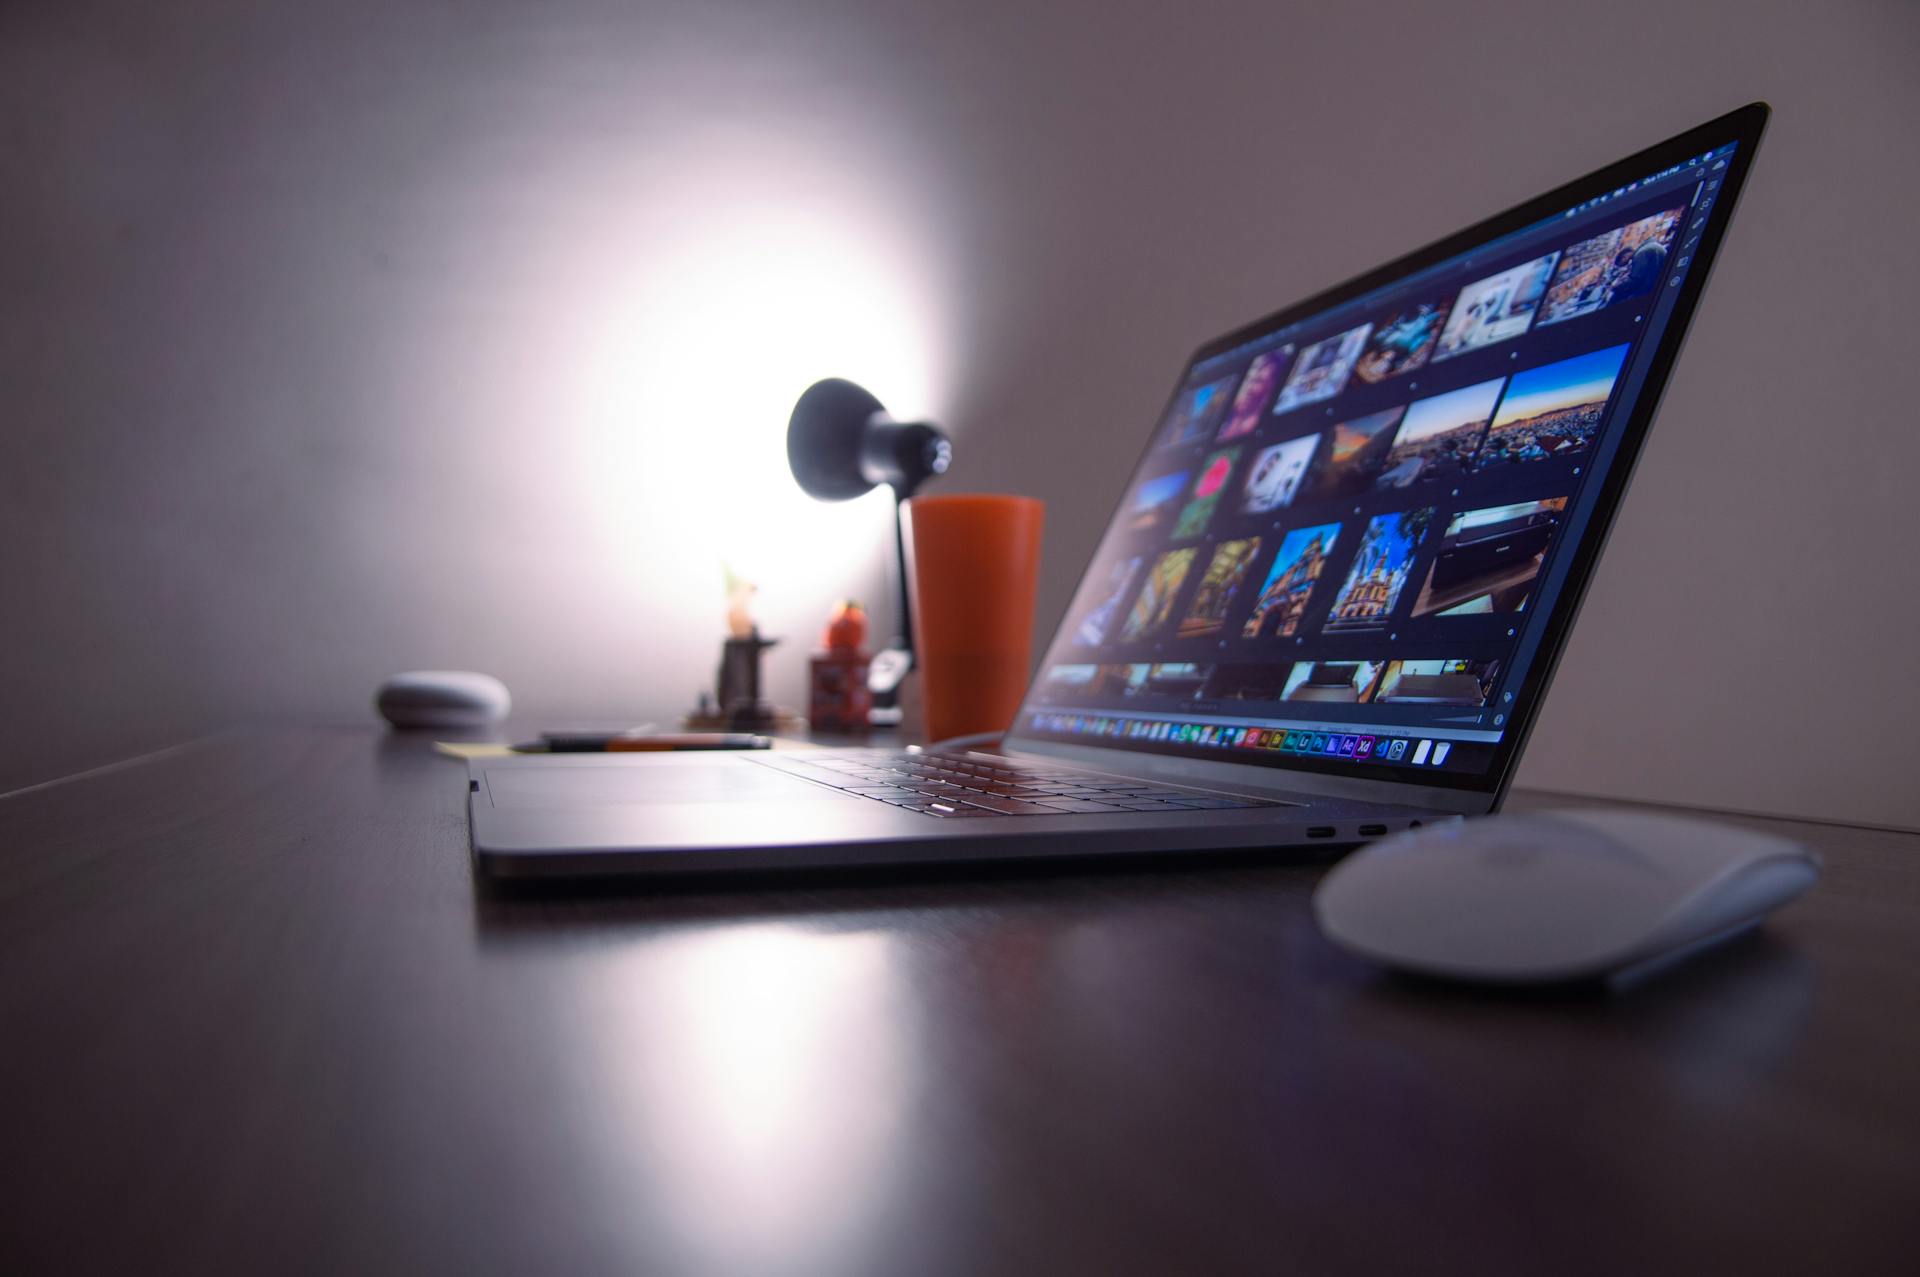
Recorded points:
1319,831
1372,831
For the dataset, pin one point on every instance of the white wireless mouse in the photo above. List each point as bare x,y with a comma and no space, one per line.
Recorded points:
442,698
1556,896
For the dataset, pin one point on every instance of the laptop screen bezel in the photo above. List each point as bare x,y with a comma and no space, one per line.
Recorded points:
1743,127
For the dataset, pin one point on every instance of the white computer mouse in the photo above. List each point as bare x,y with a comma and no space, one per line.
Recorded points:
442,699
1556,896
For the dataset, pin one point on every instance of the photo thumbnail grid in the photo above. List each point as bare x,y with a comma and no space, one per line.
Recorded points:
1456,683
1551,412
1266,516
1554,410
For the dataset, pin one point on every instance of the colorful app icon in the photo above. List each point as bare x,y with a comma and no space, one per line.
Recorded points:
1365,748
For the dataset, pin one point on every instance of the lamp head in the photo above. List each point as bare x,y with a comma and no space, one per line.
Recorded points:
842,444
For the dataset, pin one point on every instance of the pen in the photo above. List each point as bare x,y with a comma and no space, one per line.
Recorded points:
639,742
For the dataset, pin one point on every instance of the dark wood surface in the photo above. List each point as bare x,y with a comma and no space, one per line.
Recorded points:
258,1015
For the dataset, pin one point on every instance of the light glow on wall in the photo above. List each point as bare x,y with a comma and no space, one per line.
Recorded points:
689,366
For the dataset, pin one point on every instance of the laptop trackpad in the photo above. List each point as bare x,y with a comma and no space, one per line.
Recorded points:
641,785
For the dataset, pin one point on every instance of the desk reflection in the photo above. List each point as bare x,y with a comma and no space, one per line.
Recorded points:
756,1076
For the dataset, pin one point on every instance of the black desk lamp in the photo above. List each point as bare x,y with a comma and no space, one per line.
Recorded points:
841,444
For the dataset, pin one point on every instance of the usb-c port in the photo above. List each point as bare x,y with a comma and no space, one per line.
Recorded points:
1319,831
1372,831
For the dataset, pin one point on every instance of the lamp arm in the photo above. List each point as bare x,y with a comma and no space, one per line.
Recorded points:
903,628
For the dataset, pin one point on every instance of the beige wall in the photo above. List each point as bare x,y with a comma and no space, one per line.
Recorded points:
341,339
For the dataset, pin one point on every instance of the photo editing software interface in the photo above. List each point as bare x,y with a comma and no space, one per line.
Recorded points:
1344,542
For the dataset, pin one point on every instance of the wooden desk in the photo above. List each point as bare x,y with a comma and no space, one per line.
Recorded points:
258,1016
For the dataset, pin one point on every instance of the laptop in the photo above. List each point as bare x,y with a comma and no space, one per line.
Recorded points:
1326,608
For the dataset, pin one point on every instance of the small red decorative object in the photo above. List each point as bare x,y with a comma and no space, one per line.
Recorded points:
838,697
847,628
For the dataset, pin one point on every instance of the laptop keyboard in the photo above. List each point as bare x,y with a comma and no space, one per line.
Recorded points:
962,785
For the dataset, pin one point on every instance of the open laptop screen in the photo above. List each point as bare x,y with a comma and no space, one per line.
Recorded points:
1354,524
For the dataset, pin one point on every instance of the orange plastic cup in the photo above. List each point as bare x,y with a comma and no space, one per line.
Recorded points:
973,566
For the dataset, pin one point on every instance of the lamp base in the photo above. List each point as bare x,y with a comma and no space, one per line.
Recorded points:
889,670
